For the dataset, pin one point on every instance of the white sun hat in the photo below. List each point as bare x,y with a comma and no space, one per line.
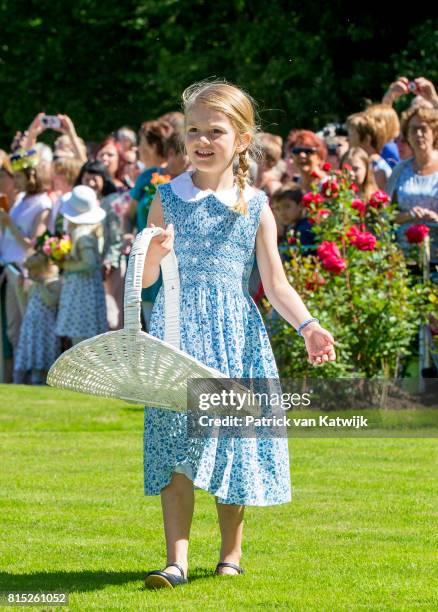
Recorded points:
81,206
130,364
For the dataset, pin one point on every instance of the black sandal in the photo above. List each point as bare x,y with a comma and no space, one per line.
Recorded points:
159,579
239,569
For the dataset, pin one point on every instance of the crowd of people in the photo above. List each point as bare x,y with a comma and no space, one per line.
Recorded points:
96,198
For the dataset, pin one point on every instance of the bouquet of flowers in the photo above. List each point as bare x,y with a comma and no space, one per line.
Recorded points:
156,179
55,246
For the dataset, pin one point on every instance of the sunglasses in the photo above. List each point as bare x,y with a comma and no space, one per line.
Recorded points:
307,150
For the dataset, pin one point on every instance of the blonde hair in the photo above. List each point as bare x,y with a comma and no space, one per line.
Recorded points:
240,108
428,115
369,185
387,116
69,167
367,125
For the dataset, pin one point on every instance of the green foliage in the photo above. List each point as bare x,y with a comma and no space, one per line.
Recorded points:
122,63
373,307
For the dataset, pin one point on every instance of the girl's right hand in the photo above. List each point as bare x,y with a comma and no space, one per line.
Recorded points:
161,245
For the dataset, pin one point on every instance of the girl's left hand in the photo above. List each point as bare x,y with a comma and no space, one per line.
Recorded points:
319,344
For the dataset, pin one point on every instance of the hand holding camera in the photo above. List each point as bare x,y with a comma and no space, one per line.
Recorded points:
418,86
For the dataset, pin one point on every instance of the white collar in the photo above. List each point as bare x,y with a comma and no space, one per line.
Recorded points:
183,187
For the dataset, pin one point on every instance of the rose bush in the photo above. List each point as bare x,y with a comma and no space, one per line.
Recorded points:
357,284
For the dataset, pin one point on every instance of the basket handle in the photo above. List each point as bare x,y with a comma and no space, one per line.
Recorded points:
133,286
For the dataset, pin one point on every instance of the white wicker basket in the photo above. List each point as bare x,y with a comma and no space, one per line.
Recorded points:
130,364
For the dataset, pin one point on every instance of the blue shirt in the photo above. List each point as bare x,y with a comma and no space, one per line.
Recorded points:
390,153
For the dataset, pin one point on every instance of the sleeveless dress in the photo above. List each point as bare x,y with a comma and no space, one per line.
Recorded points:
82,306
221,326
38,346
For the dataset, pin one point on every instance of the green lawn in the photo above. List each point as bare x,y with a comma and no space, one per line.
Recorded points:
359,534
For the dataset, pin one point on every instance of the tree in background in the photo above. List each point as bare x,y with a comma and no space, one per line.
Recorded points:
113,64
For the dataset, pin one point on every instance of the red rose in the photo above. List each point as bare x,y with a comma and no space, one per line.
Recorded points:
352,233
311,198
347,167
334,264
379,198
327,166
365,241
416,233
326,249
330,188
315,174
322,213
354,187
311,220
359,205
291,239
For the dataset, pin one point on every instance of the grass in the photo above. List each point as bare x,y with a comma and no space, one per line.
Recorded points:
359,534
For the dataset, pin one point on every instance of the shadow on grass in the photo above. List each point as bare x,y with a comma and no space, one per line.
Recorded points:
79,581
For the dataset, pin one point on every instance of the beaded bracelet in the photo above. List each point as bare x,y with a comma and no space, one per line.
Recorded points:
305,323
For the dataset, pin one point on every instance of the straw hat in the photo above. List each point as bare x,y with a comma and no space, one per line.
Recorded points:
81,206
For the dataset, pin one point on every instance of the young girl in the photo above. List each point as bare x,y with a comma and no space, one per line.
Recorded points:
362,171
214,221
38,346
82,309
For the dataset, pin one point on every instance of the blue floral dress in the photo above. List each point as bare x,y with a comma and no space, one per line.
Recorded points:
222,327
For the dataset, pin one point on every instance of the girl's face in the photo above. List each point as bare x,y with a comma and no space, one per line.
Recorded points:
109,156
95,181
359,169
211,140
420,134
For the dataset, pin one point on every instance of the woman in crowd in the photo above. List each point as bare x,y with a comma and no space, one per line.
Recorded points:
309,153
26,220
366,132
388,118
110,154
414,182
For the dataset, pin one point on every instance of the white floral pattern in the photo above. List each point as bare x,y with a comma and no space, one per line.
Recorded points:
222,327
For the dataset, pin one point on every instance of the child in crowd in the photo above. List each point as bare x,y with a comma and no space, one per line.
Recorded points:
291,218
82,309
38,346
362,171
116,206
